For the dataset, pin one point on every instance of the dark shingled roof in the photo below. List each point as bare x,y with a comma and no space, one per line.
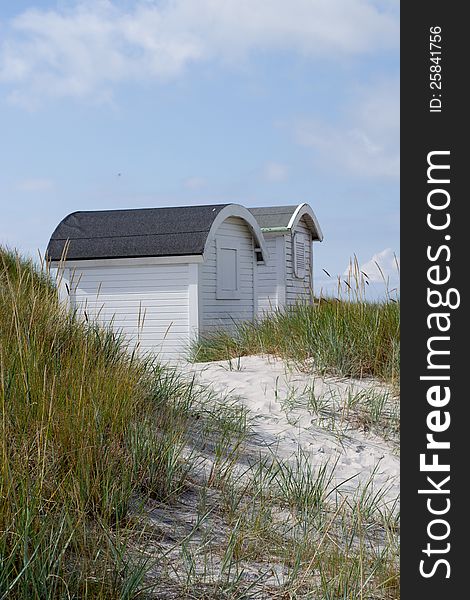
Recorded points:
273,216
174,231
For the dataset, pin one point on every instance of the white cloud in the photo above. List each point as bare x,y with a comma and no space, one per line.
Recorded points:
35,185
275,172
365,142
194,183
384,266
86,50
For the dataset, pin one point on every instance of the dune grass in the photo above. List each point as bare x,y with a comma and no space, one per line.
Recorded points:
347,336
91,436
85,427
350,337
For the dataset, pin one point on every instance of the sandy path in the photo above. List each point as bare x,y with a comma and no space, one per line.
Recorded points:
277,397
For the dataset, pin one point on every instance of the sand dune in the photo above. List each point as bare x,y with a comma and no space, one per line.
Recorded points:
321,416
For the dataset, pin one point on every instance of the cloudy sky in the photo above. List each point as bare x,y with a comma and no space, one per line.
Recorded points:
120,104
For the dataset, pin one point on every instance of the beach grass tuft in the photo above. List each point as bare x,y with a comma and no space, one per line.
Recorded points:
347,335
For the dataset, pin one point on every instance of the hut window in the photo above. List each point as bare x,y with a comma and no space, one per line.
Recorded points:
228,269
259,256
300,256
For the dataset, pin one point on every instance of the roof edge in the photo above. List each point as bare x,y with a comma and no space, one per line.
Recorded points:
305,210
281,229
237,210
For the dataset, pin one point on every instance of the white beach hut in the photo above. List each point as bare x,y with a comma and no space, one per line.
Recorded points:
288,275
164,276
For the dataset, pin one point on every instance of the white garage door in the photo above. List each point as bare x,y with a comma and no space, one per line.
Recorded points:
147,303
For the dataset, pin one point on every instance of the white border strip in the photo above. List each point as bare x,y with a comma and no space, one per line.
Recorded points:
128,262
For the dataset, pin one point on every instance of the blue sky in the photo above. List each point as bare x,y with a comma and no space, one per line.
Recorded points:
119,104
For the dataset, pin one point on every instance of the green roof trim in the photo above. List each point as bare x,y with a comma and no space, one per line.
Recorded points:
274,229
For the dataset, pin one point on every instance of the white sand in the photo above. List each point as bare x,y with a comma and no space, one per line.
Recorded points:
277,398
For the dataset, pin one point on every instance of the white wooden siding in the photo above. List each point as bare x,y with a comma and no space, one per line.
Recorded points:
271,276
298,289
223,313
148,304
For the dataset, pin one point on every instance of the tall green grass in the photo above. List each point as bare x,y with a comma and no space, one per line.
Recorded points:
89,432
350,337
346,336
84,429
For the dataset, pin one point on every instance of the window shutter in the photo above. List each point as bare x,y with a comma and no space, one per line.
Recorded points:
227,268
300,258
